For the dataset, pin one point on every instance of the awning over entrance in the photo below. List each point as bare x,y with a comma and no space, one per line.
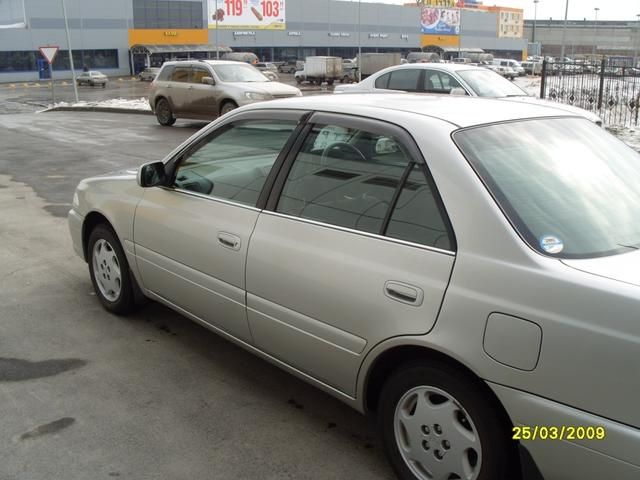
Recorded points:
177,49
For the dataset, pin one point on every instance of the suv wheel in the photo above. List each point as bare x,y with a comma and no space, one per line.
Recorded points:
164,114
436,423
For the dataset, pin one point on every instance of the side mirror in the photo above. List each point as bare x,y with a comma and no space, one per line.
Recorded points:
208,81
152,175
458,91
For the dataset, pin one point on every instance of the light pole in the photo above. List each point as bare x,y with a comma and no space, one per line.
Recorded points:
595,35
459,32
564,30
217,43
359,46
635,41
535,18
73,70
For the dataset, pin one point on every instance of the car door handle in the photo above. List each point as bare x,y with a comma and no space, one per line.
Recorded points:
404,293
229,240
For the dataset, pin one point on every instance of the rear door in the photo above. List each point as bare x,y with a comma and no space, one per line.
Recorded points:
202,97
178,89
354,248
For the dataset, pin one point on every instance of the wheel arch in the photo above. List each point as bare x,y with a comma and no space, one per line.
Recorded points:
224,102
91,221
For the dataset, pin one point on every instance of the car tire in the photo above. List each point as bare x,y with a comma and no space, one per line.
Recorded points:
298,80
227,107
164,115
109,270
91,84
455,418
330,82
104,85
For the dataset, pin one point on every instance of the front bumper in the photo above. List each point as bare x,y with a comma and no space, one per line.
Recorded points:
615,456
75,221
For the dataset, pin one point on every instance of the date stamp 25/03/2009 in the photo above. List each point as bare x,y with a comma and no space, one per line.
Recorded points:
564,432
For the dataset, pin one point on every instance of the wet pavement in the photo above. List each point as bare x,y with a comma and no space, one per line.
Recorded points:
87,395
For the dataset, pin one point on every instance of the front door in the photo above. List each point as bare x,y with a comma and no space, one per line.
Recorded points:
191,237
354,250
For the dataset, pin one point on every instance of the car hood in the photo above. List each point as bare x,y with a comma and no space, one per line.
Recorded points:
271,88
623,268
560,106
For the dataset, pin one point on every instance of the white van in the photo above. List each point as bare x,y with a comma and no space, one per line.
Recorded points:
514,64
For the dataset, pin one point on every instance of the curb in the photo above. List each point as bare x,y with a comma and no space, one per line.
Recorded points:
98,109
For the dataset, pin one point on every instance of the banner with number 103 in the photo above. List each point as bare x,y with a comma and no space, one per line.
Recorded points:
247,14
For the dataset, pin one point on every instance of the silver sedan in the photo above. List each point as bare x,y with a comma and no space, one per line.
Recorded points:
465,270
453,79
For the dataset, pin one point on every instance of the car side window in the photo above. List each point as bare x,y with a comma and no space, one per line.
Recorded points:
417,217
439,82
349,181
180,74
166,73
233,164
382,81
198,74
405,79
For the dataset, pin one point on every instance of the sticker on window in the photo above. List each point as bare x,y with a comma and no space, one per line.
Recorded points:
551,244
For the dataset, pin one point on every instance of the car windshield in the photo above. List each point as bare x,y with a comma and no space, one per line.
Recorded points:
486,83
569,187
239,73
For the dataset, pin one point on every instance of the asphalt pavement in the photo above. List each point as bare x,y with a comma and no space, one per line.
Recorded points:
87,395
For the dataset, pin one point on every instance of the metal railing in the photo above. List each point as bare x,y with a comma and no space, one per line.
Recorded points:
609,88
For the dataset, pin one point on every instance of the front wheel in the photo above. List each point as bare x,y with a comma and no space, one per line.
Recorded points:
227,107
437,423
164,115
109,271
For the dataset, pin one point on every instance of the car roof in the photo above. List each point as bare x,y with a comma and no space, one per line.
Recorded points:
200,62
459,111
449,67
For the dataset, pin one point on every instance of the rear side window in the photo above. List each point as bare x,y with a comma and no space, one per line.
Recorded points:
363,181
406,80
180,74
198,74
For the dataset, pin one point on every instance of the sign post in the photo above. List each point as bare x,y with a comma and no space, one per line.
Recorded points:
49,53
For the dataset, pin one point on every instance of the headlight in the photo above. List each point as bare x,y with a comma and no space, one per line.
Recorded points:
299,94
75,202
256,96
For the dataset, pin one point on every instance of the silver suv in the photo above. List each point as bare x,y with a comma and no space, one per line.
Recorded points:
206,89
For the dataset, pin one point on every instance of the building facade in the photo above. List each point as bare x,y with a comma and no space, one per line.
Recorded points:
586,37
120,37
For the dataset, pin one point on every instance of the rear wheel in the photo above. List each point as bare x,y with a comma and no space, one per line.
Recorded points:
164,115
109,271
330,81
227,107
438,424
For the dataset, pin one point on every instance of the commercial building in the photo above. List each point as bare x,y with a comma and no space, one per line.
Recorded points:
120,37
586,37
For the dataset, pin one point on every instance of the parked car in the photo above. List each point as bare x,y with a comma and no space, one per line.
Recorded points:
449,78
205,89
269,70
148,74
474,287
532,68
289,66
512,64
92,78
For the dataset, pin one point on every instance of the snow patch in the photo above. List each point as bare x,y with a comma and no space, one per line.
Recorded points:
138,104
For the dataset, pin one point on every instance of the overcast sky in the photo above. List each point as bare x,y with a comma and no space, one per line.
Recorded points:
578,9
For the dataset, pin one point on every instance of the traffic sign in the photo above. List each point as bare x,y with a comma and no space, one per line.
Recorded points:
49,53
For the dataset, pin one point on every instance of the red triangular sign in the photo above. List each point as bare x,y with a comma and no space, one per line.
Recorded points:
49,53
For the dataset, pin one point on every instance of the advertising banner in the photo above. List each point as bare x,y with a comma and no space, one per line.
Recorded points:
247,14
440,21
445,3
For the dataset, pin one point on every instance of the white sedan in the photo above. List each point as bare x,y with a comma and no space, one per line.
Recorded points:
452,79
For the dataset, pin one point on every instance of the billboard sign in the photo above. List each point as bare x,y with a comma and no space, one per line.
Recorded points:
247,14
445,3
440,21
